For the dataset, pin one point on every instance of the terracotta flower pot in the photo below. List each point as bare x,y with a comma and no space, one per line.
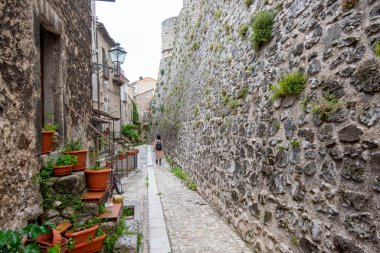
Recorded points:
49,240
130,153
91,246
83,235
47,141
121,156
62,170
97,180
82,159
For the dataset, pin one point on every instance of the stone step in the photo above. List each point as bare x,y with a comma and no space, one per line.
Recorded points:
113,212
94,197
74,184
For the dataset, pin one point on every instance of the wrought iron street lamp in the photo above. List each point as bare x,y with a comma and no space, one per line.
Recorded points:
117,54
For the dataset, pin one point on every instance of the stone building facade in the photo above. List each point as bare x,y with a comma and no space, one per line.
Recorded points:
111,88
144,90
45,64
287,176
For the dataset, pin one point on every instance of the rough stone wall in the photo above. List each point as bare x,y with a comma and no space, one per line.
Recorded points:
288,179
20,89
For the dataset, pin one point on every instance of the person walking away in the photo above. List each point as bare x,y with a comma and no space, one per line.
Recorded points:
158,149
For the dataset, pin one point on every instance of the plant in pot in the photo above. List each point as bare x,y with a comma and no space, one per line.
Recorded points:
91,245
48,131
30,238
82,231
51,242
121,154
74,147
64,164
97,177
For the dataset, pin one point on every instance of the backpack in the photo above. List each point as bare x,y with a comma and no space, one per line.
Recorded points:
158,145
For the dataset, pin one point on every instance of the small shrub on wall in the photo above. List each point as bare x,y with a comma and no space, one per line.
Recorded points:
289,84
262,28
348,4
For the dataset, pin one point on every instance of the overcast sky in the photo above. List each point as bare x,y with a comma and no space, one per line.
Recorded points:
136,25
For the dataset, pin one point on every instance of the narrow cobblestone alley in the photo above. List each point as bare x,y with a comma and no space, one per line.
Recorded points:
192,225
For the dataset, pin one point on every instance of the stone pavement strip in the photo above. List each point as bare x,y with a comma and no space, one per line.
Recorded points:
190,224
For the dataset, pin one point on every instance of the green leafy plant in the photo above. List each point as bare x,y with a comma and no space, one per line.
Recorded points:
178,172
326,106
348,4
73,145
289,84
71,244
102,208
66,160
243,92
169,160
294,143
128,211
294,241
109,242
196,112
50,125
195,46
10,241
377,48
262,28
218,14
248,2
139,241
243,31
162,72
55,249
192,185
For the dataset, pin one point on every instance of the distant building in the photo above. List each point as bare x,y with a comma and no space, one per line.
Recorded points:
144,93
108,90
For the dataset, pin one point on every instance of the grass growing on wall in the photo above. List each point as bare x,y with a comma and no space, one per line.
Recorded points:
262,28
289,84
248,2
181,174
348,4
243,31
377,48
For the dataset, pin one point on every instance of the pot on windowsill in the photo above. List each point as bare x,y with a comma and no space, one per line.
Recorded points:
90,246
47,141
97,178
82,235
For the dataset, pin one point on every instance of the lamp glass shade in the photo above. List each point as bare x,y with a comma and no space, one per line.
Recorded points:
117,54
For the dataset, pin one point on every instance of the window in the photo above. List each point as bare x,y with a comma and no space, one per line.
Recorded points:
104,63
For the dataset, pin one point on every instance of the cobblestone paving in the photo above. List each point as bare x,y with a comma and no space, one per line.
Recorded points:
135,190
192,224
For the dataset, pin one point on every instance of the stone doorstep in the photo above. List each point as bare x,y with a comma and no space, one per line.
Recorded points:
128,243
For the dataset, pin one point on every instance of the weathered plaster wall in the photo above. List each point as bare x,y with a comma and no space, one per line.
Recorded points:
322,196
20,89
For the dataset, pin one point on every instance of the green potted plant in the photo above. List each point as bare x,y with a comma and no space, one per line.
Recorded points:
64,165
92,245
74,147
121,154
48,131
32,239
97,177
85,237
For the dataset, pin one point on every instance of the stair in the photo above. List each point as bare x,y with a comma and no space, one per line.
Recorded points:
113,212
94,197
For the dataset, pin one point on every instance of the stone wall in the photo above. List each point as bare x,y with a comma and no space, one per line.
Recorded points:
293,175
68,76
